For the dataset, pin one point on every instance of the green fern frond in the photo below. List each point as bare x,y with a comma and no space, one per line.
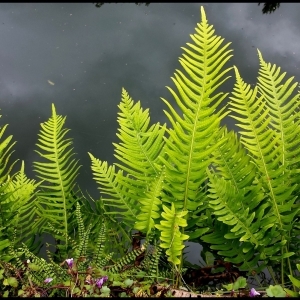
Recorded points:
283,107
228,207
232,162
241,254
249,226
58,172
192,137
262,143
171,237
128,258
18,203
119,191
150,205
153,266
5,154
140,144
7,217
81,228
98,258
42,269
26,220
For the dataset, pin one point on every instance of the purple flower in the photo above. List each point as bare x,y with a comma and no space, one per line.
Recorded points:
100,281
69,262
47,280
253,293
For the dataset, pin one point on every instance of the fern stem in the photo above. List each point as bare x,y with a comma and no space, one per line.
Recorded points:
290,268
282,269
272,274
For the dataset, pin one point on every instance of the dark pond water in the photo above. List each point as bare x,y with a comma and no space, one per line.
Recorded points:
79,57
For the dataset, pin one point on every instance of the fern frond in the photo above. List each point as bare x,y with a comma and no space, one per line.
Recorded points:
232,162
150,205
128,258
171,237
239,253
81,228
229,209
118,188
18,211
262,143
140,144
283,105
153,267
192,136
58,172
100,246
44,269
246,225
5,154
22,202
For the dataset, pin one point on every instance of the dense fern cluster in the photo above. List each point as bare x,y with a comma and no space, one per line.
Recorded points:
237,194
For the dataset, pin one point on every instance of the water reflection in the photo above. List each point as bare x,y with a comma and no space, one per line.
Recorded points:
269,7
100,4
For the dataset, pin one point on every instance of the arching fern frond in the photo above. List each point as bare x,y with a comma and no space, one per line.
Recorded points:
38,269
284,111
6,216
245,224
140,144
232,162
239,253
262,143
137,152
192,136
58,170
118,190
21,212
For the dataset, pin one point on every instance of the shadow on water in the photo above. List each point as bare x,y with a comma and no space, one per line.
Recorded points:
268,8
98,5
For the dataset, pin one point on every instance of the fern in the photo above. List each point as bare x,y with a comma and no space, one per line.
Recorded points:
283,108
138,153
140,145
58,172
119,190
262,144
150,205
192,136
17,208
99,260
37,269
128,258
6,145
232,162
170,235
153,264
